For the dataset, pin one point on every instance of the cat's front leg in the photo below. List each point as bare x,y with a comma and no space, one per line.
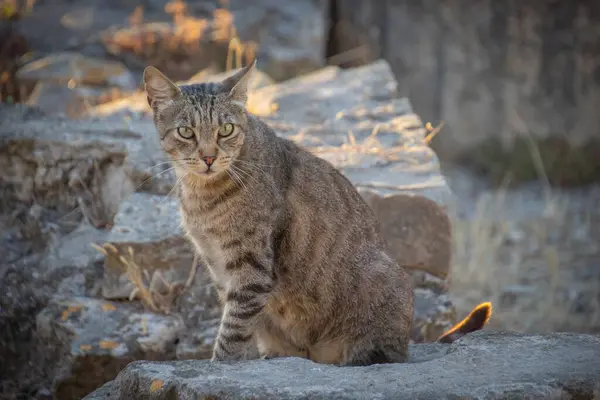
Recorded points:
250,285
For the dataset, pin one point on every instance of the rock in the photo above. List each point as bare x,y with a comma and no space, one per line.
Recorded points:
417,231
434,314
171,259
496,364
74,102
148,232
178,49
54,98
142,222
74,68
67,26
49,156
70,83
354,119
45,161
150,226
93,340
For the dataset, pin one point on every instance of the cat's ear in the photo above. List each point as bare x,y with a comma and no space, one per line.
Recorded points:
159,89
237,84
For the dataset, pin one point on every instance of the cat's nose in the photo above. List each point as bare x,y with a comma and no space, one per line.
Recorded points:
209,160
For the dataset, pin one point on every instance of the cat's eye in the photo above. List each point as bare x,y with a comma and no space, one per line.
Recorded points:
226,129
185,132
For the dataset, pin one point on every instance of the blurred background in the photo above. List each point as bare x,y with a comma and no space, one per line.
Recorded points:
513,85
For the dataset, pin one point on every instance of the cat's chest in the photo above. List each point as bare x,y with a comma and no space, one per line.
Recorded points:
211,250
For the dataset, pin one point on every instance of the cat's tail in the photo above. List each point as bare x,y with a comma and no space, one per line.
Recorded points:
475,321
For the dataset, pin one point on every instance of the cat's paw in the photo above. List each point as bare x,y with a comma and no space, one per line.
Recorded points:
217,357
268,356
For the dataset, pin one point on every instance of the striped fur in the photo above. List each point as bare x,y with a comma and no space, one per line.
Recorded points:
294,251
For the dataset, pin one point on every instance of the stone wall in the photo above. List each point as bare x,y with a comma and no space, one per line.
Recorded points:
495,72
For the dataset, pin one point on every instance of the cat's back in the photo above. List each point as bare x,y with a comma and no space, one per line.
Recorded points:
325,214
311,178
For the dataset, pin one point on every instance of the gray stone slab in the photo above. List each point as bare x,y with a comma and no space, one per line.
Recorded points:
484,365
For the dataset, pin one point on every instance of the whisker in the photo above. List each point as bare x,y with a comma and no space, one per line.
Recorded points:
179,180
237,178
242,173
154,176
253,168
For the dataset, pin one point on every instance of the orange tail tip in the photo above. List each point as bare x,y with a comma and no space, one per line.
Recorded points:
475,321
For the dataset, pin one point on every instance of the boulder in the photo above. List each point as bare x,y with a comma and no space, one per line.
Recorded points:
149,225
93,339
484,365
55,98
59,166
74,68
92,163
71,83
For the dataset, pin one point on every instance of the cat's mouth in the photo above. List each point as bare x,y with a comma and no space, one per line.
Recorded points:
200,173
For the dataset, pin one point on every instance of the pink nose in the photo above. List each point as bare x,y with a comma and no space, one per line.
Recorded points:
209,160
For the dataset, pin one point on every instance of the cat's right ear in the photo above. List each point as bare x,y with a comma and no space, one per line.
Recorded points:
160,91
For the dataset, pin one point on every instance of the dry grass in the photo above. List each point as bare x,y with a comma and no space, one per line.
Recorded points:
14,9
155,293
185,46
530,269
370,145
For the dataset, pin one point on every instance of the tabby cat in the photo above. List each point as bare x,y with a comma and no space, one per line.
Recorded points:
294,251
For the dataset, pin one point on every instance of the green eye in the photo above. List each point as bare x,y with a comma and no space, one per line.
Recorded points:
226,130
185,132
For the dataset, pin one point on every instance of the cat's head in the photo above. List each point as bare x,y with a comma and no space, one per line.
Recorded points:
203,126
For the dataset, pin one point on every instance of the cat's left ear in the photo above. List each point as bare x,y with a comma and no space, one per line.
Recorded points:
237,84
159,89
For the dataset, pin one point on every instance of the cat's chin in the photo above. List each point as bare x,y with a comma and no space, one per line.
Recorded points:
205,178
